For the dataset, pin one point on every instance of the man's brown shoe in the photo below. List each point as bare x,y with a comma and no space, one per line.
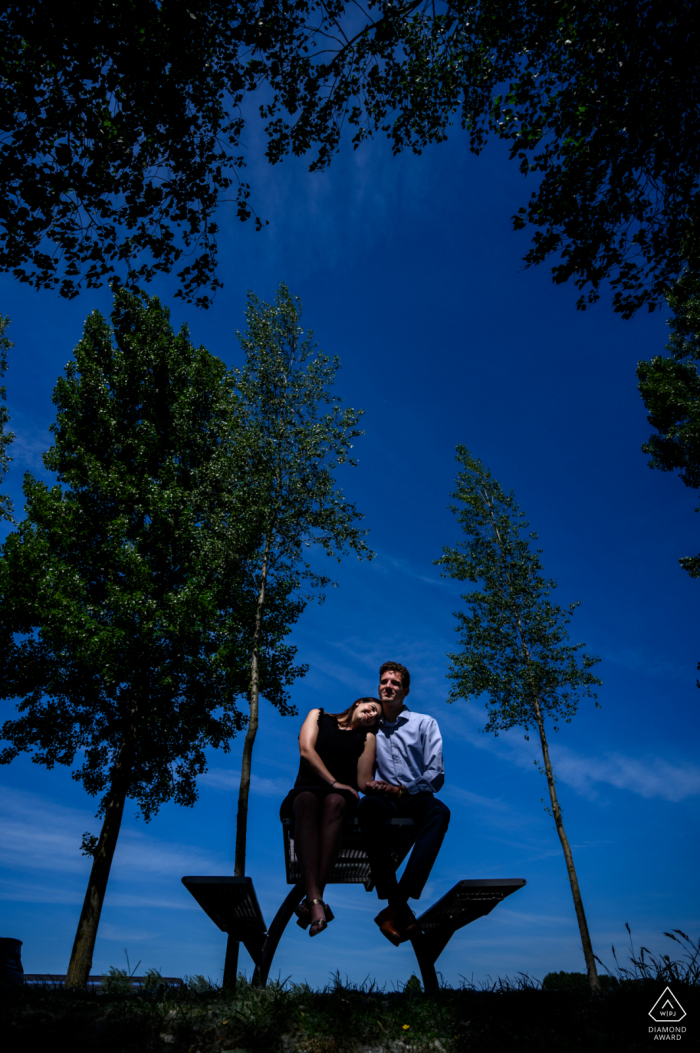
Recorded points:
398,924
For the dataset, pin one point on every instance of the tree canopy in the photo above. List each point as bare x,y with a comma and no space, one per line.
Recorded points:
515,641
670,388
297,434
125,602
581,92
115,579
119,134
122,124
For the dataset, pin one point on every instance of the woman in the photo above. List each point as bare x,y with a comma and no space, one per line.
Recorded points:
337,759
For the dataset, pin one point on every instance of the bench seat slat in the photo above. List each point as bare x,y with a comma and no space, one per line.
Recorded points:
352,866
231,904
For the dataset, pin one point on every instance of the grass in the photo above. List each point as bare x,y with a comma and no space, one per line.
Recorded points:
506,1015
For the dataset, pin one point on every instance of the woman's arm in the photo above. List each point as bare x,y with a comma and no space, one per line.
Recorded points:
365,764
307,747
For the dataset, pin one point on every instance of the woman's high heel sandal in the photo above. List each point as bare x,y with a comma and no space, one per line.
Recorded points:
319,924
304,916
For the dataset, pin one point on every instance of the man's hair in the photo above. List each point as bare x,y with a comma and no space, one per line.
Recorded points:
396,667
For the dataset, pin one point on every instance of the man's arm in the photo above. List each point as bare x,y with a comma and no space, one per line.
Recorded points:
433,776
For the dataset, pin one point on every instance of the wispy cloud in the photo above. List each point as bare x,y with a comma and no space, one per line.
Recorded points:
361,672
385,564
121,934
491,803
649,776
348,206
340,673
642,661
27,449
38,835
144,854
223,779
22,892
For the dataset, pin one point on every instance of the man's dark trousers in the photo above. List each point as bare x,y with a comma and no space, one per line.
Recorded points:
431,818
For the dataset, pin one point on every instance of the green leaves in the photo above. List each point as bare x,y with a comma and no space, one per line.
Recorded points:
670,389
292,448
515,646
117,140
122,125
130,595
515,642
588,96
293,444
125,595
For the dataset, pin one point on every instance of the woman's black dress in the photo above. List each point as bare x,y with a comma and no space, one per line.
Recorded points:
340,752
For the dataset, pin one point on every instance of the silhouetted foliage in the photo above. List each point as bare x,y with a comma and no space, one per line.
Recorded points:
122,125
119,135
124,597
670,388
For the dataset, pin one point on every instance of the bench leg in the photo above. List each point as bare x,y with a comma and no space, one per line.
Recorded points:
426,962
274,934
231,964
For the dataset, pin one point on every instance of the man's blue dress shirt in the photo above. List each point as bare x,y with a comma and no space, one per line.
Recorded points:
409,752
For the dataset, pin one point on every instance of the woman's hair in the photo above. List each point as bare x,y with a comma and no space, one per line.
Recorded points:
346,716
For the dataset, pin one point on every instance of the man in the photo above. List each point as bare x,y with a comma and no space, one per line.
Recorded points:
409,771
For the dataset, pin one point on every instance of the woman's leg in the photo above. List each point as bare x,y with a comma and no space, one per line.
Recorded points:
306,816
306,843
331,835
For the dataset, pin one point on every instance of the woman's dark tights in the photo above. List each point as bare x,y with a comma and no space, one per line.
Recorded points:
318,835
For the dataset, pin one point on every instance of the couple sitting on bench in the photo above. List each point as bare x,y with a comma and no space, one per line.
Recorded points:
394,757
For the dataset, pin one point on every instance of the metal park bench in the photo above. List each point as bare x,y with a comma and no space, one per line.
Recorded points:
232,905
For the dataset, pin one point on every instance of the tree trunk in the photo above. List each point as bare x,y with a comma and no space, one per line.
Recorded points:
575,891
254,698
84,945
556,810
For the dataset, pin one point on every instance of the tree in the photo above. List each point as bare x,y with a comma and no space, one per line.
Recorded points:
123,595
122,120
283,388
515,643
119,135
670,389
6,437
580,91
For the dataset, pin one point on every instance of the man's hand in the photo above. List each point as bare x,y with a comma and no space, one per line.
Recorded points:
384,789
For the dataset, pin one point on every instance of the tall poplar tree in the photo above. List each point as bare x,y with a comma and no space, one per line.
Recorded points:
515,641
297,433
124,598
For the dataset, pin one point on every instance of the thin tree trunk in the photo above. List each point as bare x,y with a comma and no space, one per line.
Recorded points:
84,945
575,891
556,810
254,697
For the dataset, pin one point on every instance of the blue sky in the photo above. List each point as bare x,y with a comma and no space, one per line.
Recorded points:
409,271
